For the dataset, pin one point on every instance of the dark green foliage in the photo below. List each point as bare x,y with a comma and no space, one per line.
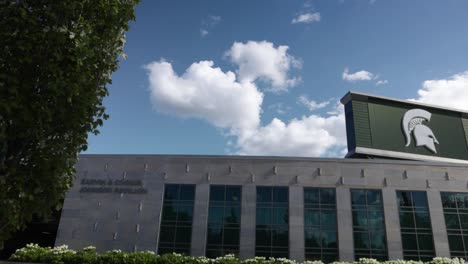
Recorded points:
55,62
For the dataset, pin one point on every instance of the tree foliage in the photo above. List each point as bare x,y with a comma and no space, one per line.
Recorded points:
56,59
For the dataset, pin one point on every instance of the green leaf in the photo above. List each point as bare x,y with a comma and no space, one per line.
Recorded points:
56,61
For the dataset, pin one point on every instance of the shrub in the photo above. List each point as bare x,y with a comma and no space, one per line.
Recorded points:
64,255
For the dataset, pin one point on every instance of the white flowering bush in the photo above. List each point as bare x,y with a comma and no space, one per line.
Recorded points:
256,260
439,260
313,262
60,250
89,255
400,261
30,253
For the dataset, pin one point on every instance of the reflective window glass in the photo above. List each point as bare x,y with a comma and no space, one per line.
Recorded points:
263,237
264,194
223,220
280,216
328,218
406,219
217,193
456,242
264,216
415,223
374,197
272,230
171,192
327,196
215,215
311,196
233,194
409,241
232,215
280,194
176,220
358,197
312,218
464,221
451,221
456,220
368,224
419,199
320,225
215,235
187,192
404,199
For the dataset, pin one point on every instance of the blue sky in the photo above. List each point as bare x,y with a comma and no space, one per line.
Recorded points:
265,77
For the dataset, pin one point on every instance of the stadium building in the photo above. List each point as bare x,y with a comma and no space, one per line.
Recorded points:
401,193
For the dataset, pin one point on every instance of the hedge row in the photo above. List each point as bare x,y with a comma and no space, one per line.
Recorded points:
64,255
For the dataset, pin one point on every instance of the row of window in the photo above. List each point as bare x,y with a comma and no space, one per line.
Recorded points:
320,222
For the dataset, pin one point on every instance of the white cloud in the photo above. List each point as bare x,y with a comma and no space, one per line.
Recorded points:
203,32
263,61
307,4
451,92
309,136
205,92
311,104
234,103
381,82
279,108
357,76
208,24
306,18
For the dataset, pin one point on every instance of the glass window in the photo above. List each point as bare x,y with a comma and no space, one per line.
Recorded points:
312,217
415,223
233,194
272,231
406,220
171,192
419,199
263,237
176,222
264,194
374,198
280,216
320,226
224,216
311,196
358,197
215,235
215,215
217,193
451,221
368,224
404,199
312,238
187,192
456,220
232,216
280,195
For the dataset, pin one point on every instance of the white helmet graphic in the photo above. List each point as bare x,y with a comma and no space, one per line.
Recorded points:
413,123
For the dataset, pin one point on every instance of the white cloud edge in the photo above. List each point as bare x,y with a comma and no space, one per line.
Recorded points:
306,18
361,75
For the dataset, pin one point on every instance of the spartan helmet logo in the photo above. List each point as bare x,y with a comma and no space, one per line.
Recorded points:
413,123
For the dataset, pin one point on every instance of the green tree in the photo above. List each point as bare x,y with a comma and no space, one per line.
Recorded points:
56,58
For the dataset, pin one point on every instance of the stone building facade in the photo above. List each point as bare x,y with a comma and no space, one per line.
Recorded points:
301,208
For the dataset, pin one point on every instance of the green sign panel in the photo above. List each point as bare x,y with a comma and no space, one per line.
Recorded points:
383,127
